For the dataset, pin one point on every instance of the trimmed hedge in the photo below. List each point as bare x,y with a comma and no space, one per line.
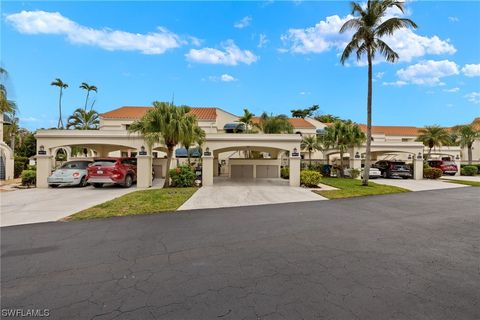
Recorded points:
469,170
29,177
432,173
285,172
354,173
474,165
182,176
310,178
19,165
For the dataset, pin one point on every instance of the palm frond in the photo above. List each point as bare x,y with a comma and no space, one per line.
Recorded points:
386,51
391,25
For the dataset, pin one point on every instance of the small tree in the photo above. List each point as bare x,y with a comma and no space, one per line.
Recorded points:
62,85
247,120
432,137
83,120
274,124
310,143
342,135
164,123
466,136
305,113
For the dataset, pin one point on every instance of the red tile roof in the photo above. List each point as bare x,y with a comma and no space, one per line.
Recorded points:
392,130
137,112
295,122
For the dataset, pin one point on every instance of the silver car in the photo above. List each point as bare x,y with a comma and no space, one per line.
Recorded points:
71,173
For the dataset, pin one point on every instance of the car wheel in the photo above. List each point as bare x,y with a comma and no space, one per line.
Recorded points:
98,185
128,181
83,182
53,185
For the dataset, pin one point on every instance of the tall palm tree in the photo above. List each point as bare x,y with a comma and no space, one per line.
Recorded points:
274,124
83,120
433,136
369,26
62,85
247,120
193,135
86,86
466,136
310,143
165,123
342,135
13,128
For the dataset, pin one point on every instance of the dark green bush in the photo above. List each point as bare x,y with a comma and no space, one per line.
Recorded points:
310,178
29,177
19,165
326,170
432,173
469,171
285,172
354,173
182,176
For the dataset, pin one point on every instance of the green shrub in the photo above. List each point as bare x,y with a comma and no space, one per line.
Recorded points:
469,171
432,173
29,177
19,165
285,172
354,173
310,178
31,167
182,176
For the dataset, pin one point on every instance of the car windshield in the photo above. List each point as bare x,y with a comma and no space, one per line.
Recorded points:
399,166
75,165
104,163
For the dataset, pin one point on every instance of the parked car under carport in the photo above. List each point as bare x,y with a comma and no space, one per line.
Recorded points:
71,173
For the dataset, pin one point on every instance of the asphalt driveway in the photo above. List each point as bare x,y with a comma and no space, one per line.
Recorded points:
226,193
403,256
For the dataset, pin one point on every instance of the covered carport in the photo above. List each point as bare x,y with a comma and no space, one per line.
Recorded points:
246,167
102,142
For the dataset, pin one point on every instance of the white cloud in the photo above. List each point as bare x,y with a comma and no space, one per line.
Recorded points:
471,70
453,19
428,72
379,75
243,23
42,22
325,36
224,78
304,93
29,119
452,90
398,83
473,97
262,40
230,55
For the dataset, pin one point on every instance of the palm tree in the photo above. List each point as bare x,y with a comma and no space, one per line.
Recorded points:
193,135
6,105
310,143
343,135
86,86
274,124
433,136
83,120
165,123
247,120
13,129
59,83
466,137
370,26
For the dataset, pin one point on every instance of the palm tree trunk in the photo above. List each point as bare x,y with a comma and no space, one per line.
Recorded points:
469,154
60,121
188,155
429,153
86,100
366,170
166,184
310,159
341,164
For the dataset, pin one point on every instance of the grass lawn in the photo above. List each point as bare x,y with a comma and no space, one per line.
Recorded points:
349,188
465,182
138,202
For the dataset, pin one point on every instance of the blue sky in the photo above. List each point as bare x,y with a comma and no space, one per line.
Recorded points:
268,56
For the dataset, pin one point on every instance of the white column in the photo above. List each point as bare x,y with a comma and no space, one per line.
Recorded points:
207,170
458,167
144,171
44,168
294,171
418,169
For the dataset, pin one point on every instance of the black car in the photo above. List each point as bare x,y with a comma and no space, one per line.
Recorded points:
393,169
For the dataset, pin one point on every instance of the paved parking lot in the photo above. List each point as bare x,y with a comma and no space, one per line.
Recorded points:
42,205
419,185
233,193
406,256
